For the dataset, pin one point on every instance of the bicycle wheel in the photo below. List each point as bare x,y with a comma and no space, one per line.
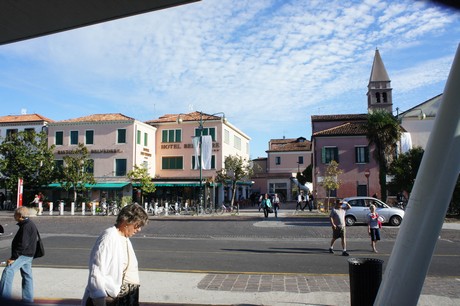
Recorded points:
115,211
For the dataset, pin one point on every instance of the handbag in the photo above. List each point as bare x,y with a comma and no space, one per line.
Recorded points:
379,221
40,250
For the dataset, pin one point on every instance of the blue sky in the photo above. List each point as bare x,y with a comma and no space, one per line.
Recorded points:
268,65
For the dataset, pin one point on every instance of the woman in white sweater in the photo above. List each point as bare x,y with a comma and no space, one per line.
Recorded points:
113,270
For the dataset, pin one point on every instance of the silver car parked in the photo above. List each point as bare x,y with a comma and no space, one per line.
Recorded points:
360,209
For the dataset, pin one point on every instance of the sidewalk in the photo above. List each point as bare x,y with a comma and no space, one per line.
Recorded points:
65,287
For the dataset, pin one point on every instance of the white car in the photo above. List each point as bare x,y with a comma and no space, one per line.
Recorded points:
360,209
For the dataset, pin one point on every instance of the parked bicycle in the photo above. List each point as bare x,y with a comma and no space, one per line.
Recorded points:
228,209
187,210
211,210
110,209
151,209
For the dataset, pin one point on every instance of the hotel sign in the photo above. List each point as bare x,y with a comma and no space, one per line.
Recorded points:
177,146
93,151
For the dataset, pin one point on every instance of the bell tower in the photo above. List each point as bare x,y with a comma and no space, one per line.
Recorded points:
379,89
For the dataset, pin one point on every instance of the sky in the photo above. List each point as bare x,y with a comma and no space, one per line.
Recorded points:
269,65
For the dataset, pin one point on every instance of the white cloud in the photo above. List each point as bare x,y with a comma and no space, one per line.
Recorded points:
251,59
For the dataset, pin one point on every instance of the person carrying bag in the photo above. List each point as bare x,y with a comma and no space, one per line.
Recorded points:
267,205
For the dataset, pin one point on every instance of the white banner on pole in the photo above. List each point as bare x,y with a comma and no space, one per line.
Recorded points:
206,151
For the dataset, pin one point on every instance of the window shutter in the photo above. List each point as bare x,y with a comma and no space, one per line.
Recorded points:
366,154
323,155
336,154
178,135
212,132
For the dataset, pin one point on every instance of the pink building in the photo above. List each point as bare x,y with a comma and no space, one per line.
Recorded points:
177,176
277,172
343,138
116,143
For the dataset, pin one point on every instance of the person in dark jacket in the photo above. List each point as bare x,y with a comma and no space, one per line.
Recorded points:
23,250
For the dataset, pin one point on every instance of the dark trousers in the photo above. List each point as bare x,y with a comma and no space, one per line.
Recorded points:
266,212
309,204
299,206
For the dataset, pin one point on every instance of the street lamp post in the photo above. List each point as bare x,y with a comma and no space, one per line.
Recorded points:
200,129
298,184
200,161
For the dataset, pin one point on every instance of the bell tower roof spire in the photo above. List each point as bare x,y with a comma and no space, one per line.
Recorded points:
379,91
378,72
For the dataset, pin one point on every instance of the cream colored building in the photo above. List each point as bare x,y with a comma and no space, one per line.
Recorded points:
25,122
418,123
177,178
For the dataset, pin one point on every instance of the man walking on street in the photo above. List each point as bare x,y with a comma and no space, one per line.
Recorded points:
337,219
307,201
300,199
23,249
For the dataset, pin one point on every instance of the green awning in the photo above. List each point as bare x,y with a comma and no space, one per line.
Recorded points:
177,184
107,185
95,186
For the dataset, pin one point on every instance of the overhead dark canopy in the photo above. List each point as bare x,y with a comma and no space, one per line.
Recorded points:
24,19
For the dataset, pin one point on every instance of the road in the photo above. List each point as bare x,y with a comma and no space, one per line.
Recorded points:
240,244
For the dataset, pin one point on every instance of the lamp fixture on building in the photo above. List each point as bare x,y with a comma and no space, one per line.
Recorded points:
422,115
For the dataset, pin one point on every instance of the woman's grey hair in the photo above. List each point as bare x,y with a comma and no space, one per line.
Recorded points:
22,211
133,214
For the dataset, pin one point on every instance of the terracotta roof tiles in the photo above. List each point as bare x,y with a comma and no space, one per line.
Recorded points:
24,118
345,117
346,129
194,116
290,144
100,117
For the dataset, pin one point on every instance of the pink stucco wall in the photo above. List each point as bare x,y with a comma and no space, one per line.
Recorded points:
353,173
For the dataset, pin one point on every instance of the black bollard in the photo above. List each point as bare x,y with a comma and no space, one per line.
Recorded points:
365,279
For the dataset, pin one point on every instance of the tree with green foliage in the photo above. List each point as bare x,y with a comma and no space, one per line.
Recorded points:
331,179
383,131
404,170
140,175
26,155
305,175
235,169
77,173
308,174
